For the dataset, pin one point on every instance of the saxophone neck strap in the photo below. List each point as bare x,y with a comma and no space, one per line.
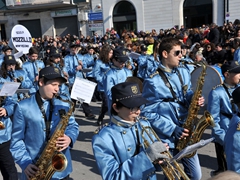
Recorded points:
48,119
167,83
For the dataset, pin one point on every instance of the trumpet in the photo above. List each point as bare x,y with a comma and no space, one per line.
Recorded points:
172,171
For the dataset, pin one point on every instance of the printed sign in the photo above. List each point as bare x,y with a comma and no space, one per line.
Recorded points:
21,38
95,27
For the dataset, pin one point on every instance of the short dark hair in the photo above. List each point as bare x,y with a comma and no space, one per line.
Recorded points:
32,51
119,105
167,45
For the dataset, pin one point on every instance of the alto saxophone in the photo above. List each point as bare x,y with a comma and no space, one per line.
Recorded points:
196,126
51,160
173,170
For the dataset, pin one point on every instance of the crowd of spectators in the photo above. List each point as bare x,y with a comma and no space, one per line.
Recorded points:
214,43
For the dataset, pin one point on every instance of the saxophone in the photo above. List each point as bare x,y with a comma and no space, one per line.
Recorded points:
51,160
196,126
173,170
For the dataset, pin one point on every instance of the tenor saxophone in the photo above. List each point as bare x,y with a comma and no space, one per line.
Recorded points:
173,170
51,160
196,126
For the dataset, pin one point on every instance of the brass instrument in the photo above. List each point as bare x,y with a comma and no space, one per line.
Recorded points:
196,126
51,160
172,171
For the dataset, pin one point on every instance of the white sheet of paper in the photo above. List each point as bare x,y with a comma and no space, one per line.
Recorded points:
83,89
9,88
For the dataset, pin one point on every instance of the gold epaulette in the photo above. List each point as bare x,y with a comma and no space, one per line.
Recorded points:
215,87
100,128
151,76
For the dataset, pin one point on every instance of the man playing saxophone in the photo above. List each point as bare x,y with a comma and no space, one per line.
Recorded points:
169,93
33,127
119,147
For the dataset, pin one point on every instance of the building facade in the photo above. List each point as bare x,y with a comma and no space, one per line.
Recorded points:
61,17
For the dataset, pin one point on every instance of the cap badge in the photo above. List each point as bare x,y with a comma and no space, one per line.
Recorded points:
236,63
134,89
57,51
238,126
56,70
9,57
124,52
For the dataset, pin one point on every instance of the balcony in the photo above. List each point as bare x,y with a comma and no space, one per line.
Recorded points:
41,4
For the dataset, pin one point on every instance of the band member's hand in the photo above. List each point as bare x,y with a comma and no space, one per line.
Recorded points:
201,101
129,67
36,78
3,112
63,142
30,170
79,67
65,74
180,132
166,144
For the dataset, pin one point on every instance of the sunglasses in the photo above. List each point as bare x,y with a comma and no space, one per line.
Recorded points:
176,53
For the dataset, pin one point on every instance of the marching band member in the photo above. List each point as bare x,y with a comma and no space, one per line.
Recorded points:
231,141
11,72
142,62
222,108
102,65
32,68
7,164
118,147
169,94
74,65
7,50
56,61
33,127
117,74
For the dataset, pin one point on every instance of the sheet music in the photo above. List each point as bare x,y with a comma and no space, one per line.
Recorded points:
190,149
9,88
83,89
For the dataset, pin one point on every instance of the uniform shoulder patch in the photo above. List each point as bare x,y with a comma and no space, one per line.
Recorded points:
155,73
215,87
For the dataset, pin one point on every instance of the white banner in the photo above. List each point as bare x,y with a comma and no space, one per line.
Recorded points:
21,38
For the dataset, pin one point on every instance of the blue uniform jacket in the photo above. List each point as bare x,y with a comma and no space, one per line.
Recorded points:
28,135
99,70
236,56
71,62
5,134
162,112
88,62
33,71
232,144
114,150
221,109
142,65
112,77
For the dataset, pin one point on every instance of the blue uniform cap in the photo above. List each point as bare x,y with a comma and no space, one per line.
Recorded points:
128,94
10,59
51,73
231,67
120,54
55,53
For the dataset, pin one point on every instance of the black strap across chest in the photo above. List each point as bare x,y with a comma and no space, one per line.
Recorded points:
168,84
48,119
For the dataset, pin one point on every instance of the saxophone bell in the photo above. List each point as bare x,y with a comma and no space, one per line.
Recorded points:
2,126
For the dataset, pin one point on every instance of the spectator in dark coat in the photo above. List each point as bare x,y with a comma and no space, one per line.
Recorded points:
214,34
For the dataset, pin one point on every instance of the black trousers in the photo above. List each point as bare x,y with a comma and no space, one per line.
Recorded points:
221,157
7,165
104,107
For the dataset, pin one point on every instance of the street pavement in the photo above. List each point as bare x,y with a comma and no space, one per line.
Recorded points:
84,165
